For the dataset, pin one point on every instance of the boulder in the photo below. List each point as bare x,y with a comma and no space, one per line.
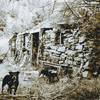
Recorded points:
61,62
70,52
79,47
69,61
54,51
63,55
71,39
61,49
82,39
77,59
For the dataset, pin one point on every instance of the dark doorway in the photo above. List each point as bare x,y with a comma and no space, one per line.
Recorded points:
35,44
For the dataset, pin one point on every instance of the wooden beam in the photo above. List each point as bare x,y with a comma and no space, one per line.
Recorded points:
12,97
52,64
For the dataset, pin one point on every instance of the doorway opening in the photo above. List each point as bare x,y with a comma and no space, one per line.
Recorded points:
35,45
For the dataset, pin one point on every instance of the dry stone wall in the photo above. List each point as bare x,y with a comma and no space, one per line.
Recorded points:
74,52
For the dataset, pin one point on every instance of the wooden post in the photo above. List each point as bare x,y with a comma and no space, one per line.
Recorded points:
31,48
38,54
60,38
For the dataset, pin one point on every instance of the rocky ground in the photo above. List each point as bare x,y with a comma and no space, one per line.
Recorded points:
66,89
40,89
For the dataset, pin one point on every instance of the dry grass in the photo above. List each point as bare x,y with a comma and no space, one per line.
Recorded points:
88,90
71,90
65,89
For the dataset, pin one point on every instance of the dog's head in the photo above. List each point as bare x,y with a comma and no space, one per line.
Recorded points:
14,75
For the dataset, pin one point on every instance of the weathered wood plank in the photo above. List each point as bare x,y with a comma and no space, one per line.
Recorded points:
53,64
18,97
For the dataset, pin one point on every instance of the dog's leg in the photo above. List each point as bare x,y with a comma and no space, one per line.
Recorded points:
2,90
3,87
15,91
9,90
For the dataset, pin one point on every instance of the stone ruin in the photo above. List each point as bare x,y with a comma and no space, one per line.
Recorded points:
63,45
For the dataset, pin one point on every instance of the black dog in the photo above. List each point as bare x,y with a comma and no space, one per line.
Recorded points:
49,74
12,80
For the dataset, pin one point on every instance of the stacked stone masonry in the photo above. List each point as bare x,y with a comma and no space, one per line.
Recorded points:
74,52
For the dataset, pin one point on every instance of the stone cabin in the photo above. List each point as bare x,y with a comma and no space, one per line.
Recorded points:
26,43
61,45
